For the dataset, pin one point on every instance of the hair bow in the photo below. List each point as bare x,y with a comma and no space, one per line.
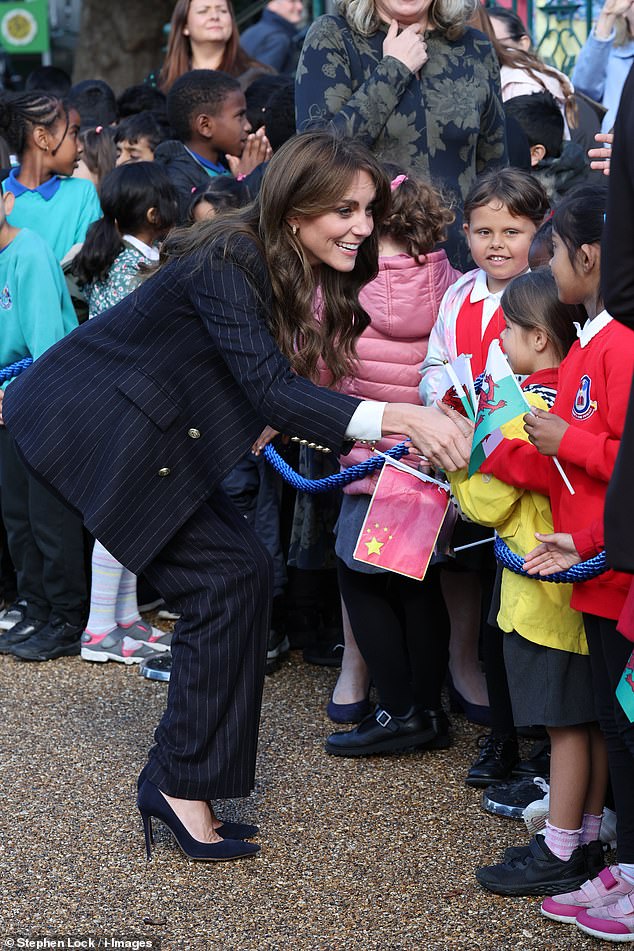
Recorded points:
397,181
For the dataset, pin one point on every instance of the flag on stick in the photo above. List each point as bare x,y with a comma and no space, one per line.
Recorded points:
458,378
406,513
501,400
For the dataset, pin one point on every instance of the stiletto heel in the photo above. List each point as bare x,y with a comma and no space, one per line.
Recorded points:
149,838
153,804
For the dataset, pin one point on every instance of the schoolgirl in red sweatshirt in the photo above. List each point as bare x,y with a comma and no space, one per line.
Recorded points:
583,431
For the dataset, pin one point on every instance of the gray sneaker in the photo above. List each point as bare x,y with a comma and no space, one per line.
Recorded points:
12,615
114,646
143,632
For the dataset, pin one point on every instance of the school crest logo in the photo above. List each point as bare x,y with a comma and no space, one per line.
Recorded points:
6,302
584,406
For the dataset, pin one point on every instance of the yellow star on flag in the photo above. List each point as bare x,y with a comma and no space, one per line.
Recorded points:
374,546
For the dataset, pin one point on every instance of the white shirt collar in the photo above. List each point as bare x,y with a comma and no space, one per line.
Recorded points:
592,327
146,250
480,290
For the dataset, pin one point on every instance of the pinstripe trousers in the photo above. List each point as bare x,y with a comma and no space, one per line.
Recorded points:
218,576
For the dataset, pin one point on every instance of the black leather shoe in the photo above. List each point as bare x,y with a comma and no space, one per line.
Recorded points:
537,763
497,758
19,633
442,730
50,642
382,733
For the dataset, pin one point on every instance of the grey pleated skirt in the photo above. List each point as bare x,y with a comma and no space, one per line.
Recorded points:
547,686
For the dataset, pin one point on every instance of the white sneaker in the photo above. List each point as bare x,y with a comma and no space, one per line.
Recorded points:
536,813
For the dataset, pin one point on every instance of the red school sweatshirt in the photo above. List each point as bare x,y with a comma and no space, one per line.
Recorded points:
594,386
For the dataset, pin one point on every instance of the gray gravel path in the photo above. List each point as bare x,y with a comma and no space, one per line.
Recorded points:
356,854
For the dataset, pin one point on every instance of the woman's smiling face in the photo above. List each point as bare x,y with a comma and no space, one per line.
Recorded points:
334,238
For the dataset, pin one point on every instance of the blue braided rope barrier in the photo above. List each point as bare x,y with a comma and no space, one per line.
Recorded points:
581,572
7,373
338,479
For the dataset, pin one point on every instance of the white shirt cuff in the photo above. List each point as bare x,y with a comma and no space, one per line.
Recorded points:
366,421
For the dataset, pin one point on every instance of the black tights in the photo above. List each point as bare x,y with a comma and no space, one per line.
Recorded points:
402,630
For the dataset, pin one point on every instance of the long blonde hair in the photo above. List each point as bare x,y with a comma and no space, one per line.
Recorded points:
307,177
448,17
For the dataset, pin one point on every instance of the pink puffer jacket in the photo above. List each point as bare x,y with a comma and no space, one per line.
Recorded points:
403,303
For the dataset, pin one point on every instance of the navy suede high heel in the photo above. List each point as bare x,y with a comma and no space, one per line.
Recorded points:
236,830
152,804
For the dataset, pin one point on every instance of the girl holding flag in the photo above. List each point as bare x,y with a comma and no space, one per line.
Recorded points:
584,431
545,649
502,213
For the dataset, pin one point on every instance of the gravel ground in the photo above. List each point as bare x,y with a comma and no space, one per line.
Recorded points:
356,854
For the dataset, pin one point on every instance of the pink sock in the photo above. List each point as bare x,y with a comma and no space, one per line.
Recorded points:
590,828
562,842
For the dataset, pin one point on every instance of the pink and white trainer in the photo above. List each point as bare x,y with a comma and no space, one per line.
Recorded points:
612,922
608,886
144,633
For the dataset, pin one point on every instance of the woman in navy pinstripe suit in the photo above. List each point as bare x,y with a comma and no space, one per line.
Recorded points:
135,418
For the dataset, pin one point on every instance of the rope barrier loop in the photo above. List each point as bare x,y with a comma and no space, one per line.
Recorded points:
14,369
338,479
581,572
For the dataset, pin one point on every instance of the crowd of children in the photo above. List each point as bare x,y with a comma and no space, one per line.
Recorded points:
95,184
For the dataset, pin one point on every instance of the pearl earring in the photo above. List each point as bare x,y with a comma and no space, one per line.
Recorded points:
294,229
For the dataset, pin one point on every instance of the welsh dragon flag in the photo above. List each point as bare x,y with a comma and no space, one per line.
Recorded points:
500,401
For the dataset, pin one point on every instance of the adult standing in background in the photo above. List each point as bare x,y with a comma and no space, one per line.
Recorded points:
273,40
605,59
203,35
415,84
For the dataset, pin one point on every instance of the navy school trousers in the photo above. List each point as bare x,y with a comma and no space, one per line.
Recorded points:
218,576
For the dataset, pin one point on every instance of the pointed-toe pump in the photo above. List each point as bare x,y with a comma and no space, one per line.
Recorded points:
237,830
153,805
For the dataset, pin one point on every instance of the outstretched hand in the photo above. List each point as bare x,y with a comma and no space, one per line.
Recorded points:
443,436
556,553
600,157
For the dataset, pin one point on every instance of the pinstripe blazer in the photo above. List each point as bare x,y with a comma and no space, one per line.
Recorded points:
137,415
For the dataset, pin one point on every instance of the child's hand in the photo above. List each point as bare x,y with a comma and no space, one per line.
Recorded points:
545,430
556,553
256,150
600,158
265,437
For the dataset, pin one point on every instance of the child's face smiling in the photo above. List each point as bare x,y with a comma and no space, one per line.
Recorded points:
499,243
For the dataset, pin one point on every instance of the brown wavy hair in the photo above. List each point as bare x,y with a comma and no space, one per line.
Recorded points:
419,216
308,176
527,60
179,52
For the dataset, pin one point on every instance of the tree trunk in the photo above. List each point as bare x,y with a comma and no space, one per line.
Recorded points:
121,41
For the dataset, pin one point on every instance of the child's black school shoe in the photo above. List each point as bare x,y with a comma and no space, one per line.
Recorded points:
498,756
511,799
538,873
594,851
